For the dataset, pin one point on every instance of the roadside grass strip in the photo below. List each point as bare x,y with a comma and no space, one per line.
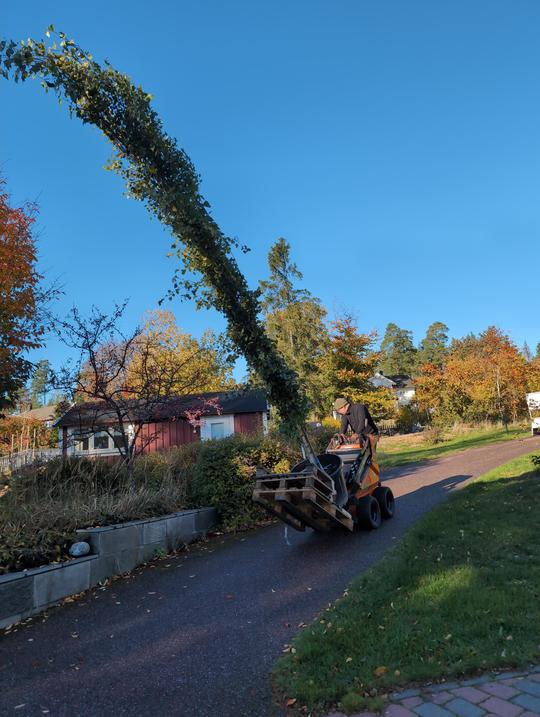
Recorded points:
460,594
402,454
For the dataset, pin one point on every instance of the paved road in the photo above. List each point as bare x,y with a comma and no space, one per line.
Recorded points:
196,635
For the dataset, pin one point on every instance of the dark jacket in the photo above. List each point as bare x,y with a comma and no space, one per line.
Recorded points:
359,419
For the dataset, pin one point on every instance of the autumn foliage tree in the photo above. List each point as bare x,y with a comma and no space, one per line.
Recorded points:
22,297
123,381
483,378
349,364
199,365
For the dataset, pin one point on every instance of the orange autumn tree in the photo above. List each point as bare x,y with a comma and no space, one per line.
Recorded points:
483,378
533,375
199,365
21,317
348,365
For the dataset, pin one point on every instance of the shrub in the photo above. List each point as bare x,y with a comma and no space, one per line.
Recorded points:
225,473
408,417
320,437
433,435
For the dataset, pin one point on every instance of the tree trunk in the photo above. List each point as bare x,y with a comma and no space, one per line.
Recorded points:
130,465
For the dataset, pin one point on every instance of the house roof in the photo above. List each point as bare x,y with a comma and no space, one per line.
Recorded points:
43,413
402,380
230,402
381,380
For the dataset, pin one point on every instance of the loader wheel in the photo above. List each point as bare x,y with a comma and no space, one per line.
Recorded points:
385,499
368,513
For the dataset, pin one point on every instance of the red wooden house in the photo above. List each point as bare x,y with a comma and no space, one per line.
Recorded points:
82,430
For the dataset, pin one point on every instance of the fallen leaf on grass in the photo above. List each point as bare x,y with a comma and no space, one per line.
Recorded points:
348,659
291,701
379,671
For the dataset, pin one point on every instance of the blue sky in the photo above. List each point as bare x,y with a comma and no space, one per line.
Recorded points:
396,145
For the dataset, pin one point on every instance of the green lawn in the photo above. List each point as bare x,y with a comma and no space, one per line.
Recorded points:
402,453
459,594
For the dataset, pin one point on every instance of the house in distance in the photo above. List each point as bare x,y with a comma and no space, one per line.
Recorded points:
82,432
401,385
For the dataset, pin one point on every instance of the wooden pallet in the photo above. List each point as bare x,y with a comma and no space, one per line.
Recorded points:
301,499
309,478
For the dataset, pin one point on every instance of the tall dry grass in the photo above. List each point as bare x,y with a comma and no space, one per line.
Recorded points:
41,507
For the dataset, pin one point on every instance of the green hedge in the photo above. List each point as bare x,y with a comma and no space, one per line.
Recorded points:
224,475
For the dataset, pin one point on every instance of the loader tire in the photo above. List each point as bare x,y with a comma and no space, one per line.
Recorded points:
368,513
385,499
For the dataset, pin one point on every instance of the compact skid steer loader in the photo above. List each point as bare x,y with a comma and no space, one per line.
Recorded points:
339,488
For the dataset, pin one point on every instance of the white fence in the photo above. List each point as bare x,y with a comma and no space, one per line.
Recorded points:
14,461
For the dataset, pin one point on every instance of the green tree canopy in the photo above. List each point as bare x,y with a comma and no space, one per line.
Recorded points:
279,290
434,347
41,383
295,320
398,355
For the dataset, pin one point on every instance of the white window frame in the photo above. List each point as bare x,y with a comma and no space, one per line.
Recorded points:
72,448
207,421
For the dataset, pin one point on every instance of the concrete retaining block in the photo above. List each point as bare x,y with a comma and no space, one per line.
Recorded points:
115,539
155,532
179,529
205,519
103,568
55,582
116,549
126,561
150,550
16,594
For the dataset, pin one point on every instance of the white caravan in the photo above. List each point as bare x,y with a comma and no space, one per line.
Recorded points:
533,404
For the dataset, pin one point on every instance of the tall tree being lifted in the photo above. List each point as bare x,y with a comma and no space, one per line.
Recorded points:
161,175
